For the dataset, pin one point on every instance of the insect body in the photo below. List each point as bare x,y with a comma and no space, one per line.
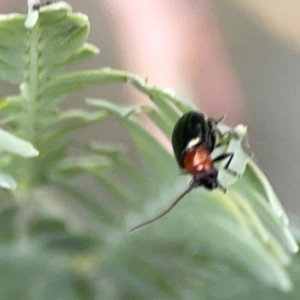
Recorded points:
194,138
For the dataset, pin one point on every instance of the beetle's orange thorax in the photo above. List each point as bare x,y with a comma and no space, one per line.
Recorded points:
197,160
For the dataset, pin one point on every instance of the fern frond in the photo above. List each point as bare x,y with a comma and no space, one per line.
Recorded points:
64,226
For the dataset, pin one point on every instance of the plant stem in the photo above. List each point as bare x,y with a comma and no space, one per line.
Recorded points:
30,95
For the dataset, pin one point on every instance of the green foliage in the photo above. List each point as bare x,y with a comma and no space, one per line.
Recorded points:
65,216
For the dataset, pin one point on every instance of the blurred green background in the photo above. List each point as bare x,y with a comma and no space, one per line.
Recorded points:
239,58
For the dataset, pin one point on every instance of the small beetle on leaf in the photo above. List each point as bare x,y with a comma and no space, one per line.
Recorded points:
194,138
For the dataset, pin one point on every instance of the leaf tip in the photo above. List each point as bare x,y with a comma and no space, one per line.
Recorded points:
33,153
31,19
241,130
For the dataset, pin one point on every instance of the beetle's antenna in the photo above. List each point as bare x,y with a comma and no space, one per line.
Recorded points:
217,121
192,185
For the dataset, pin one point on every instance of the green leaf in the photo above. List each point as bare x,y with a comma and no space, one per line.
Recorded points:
246,237
72,208
46,226
12,144
12,47
66,84
85,52
7,181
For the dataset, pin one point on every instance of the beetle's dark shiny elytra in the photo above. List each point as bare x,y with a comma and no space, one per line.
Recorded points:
193,127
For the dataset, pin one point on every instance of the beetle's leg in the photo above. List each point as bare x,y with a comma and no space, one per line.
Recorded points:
225,136
221,187
216,121
224,156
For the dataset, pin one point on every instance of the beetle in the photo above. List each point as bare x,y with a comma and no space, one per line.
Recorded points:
194,138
